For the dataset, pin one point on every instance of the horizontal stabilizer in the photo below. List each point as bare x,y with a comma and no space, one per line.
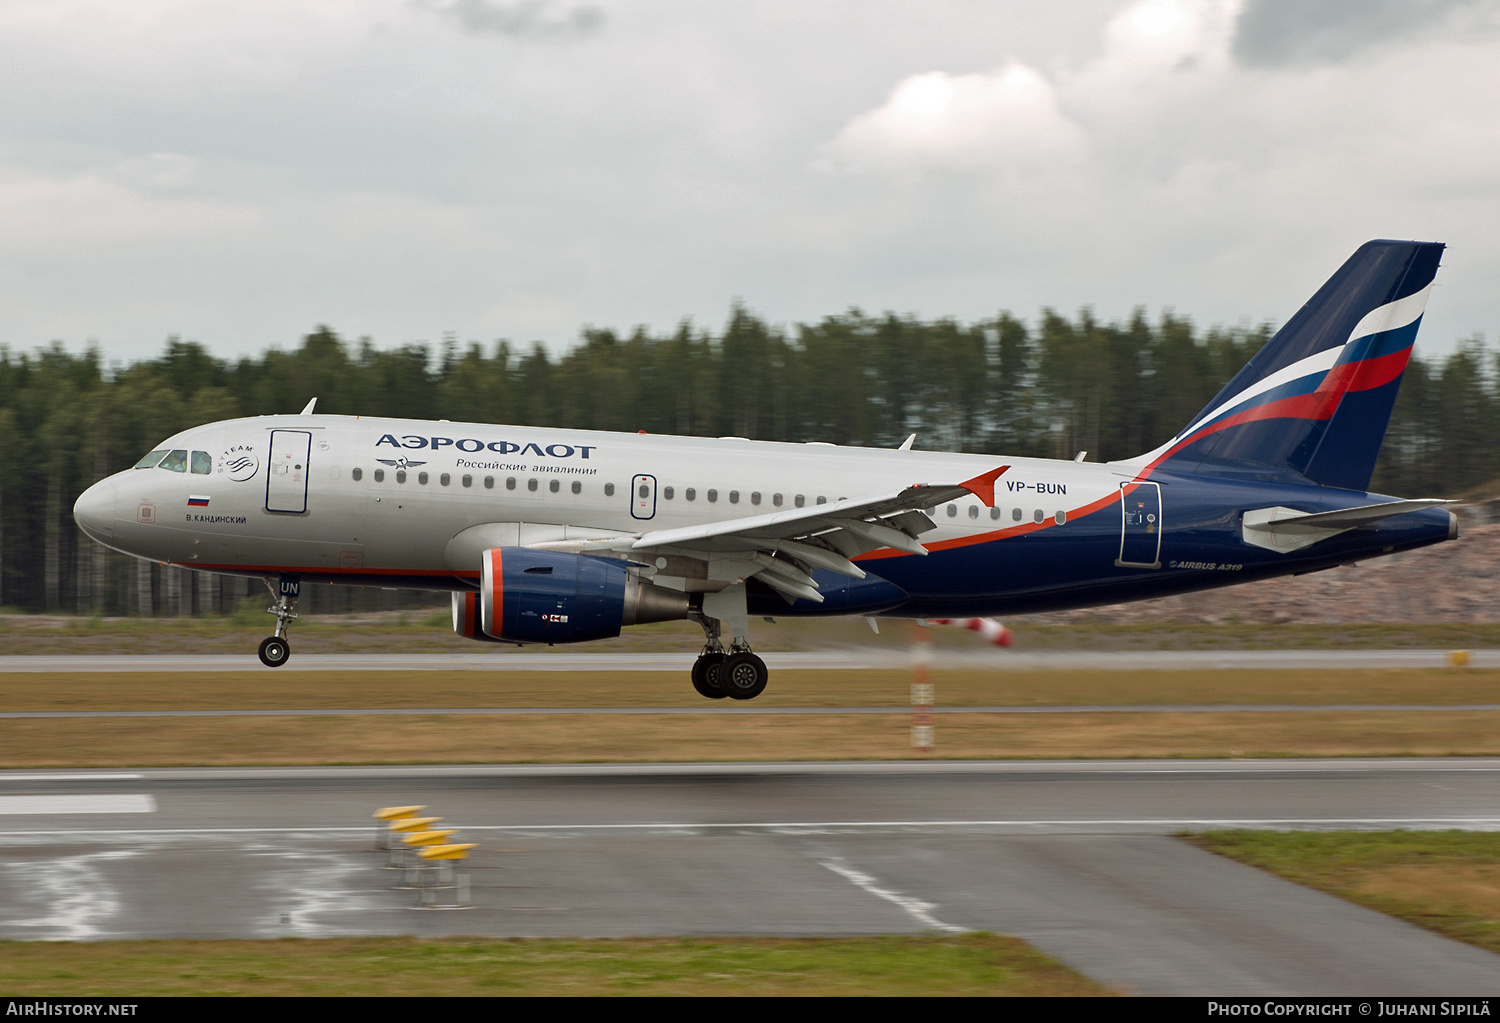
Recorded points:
1285,530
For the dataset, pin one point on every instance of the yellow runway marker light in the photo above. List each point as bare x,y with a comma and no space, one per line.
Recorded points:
428,837
390,813
1459,658
413,823
457,851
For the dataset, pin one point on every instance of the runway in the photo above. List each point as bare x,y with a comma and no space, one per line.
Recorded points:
854,658
1073,856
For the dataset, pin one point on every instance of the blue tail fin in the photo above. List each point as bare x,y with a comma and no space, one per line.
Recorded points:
1316,400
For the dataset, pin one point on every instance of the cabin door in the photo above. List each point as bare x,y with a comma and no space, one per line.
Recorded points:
286,482
1140,525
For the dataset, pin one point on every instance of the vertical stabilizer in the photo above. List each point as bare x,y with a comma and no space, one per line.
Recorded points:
1316,400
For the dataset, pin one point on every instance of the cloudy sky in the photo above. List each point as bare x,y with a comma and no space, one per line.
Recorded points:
236,173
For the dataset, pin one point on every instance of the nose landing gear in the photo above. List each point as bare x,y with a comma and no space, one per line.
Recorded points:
274,649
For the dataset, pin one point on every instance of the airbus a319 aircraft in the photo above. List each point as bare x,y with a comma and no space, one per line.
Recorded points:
562,536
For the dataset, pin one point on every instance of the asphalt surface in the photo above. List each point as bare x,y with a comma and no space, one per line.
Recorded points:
1073,856
854,658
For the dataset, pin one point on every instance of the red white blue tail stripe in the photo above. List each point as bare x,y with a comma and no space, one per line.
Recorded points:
1315,402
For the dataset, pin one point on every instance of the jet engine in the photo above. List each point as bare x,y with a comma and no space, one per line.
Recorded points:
531,596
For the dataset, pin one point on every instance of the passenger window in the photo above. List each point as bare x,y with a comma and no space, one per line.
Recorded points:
994,513
1060,517
489,483
422,478
400,475
577,487
776,500
357,474
531,484
203,463
713,495
822,500
734,497
1038,515
952,510
973,511
755,497
176,461
690,493
667,493
379,475
468,481
152,460
609,490
445,479
554,486
1015,513
801,501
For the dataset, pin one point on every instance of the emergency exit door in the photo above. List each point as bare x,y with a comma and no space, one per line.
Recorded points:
643,497
1140,525
286,482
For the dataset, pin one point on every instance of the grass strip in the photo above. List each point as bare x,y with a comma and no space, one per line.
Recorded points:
1445,881
542,738
970,964
291,689
430,630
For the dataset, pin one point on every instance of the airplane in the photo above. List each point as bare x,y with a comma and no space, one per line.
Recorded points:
559,536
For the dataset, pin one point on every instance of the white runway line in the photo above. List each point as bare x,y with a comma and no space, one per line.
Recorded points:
71,777
76,895
922,911
83,803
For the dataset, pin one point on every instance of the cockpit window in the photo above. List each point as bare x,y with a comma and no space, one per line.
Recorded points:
151,460
176,461
203,463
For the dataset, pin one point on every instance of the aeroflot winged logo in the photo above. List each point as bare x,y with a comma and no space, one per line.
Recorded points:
500,447
401,463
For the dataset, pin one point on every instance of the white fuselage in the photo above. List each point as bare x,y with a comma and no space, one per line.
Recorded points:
352,497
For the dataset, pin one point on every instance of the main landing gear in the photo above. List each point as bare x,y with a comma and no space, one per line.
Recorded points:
274,649
736,673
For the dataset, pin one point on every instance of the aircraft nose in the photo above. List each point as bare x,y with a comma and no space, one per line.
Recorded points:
94,511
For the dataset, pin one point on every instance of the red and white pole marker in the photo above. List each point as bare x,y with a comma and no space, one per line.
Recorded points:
922,737
990,631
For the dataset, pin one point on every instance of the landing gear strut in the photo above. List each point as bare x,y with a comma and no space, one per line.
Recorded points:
736,673
274,649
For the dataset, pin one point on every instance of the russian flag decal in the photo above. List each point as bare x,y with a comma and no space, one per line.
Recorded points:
196,501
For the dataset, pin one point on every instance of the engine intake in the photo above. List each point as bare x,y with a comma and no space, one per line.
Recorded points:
531,596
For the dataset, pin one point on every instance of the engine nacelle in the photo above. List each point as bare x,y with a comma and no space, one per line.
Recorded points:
531,596
467,618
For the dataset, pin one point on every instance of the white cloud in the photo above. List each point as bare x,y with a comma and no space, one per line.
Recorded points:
53,213
935,119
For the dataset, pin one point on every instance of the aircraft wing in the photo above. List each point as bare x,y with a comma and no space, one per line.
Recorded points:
783,548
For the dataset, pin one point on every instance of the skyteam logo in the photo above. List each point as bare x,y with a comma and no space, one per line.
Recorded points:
500,447
239,463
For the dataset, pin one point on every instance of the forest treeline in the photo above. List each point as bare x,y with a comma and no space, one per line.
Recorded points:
1052,388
